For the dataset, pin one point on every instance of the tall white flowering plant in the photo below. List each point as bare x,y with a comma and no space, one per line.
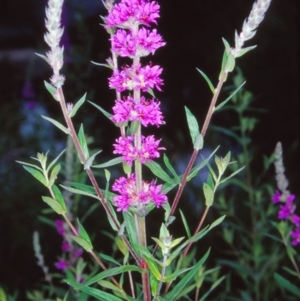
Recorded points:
156,268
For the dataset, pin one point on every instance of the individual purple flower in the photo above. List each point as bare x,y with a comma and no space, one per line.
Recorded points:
287,210
76,254
276,197
129,12
146,112
129,196
295,235
126,44
155,194
65,246
149,149
295,219
140,78
62,265
59,224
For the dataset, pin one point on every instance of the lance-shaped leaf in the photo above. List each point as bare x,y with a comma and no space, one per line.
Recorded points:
223,103
37,174
216,283
51,89
83,239
59,197
57,124
54,204
286,284
109,163
159,172
193,125
170,168
82,142
233,174
172,295
208,194
186,226
90,160
110,273
53,176
78,104
79,191
102,65
196,169
245,50
106,114
54,161
207,80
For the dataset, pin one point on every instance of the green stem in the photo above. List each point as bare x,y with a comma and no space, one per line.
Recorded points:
89,172
195,153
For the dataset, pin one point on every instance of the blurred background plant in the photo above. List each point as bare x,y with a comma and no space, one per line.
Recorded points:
249,256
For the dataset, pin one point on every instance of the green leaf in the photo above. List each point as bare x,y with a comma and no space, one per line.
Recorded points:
109,259
106,114
170,168
44,58
130,228
57,124
54,161
99,295
196,169
53,175
51,89
103,65
207,80
37,174
82,142
109,163
78,191
83,243
158,171
54,204
90,160
32,165
215,284
209,194
223,103
110,273
245,50
172,295
193,125
150,91
284,283
83,234
59,197
78,104
173,276
199,142
186,226
233,174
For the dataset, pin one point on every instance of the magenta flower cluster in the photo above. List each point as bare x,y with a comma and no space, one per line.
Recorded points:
71,253
148,150
130,38
286,212
146,112
130,197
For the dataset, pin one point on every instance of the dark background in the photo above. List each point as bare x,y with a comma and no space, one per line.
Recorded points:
193,32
